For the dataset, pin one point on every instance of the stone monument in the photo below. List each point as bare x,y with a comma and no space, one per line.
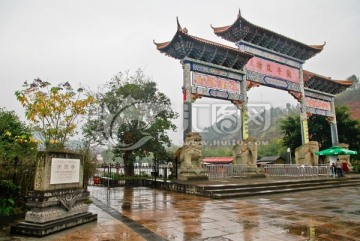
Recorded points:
57,202
189,158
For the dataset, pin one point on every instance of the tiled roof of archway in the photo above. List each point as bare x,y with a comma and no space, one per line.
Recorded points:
184,45
324,84
243,30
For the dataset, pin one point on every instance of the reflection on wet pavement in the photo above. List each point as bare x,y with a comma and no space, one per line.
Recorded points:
329,214
142,213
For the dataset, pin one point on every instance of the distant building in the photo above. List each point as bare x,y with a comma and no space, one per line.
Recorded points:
218,160
271,160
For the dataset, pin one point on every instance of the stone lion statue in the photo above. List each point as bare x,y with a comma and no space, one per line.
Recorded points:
245,153
305,154
189,155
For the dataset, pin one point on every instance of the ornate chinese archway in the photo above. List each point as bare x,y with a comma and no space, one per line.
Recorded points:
264,58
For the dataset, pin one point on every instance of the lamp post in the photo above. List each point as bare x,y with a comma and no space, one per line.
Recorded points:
117,166
289,151
104,166
155,171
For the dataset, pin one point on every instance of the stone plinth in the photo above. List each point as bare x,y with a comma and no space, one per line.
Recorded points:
43,229
255,172
57,202
53,211
192,174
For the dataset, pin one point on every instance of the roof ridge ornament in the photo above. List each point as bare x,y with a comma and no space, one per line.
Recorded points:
178,23
239,14
179,28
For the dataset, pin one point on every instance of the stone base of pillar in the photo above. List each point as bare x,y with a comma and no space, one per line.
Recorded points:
255,172
195,174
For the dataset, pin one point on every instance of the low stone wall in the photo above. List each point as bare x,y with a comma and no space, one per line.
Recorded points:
173,186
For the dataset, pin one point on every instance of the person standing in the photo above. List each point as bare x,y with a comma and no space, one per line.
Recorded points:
333,169
339,169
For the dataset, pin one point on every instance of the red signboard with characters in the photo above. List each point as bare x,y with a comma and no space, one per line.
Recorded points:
318,104
215,82
273,69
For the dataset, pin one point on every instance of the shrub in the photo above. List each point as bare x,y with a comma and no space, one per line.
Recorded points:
10,198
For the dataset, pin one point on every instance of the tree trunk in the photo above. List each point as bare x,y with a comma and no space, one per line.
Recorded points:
129,164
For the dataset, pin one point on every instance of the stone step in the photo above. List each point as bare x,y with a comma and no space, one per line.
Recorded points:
244,191
267,192
279,183
271,186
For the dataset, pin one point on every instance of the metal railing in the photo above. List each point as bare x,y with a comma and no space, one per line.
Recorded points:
223,171
114,176
296,171
162,170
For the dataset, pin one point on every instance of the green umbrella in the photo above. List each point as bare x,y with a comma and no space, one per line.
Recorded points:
336,150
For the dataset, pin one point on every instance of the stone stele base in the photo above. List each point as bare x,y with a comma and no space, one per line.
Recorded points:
193,174
53,211
43,229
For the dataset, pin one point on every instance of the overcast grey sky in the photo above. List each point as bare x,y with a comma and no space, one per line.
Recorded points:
88,41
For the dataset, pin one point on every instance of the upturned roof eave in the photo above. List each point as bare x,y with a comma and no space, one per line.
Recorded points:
309,75
321,83
165,47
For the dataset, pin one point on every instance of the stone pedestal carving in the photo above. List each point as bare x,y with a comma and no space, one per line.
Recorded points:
57,202
245,154
189,158
305,154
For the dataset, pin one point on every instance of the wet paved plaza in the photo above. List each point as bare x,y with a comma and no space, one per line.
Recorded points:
143,213
329,214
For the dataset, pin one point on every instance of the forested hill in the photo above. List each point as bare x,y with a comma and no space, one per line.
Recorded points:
351,98
263,124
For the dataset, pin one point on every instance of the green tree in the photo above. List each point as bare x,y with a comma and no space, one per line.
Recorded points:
132,117
17,151
53,110
274,147
16,140
319,130
291,130
216,151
